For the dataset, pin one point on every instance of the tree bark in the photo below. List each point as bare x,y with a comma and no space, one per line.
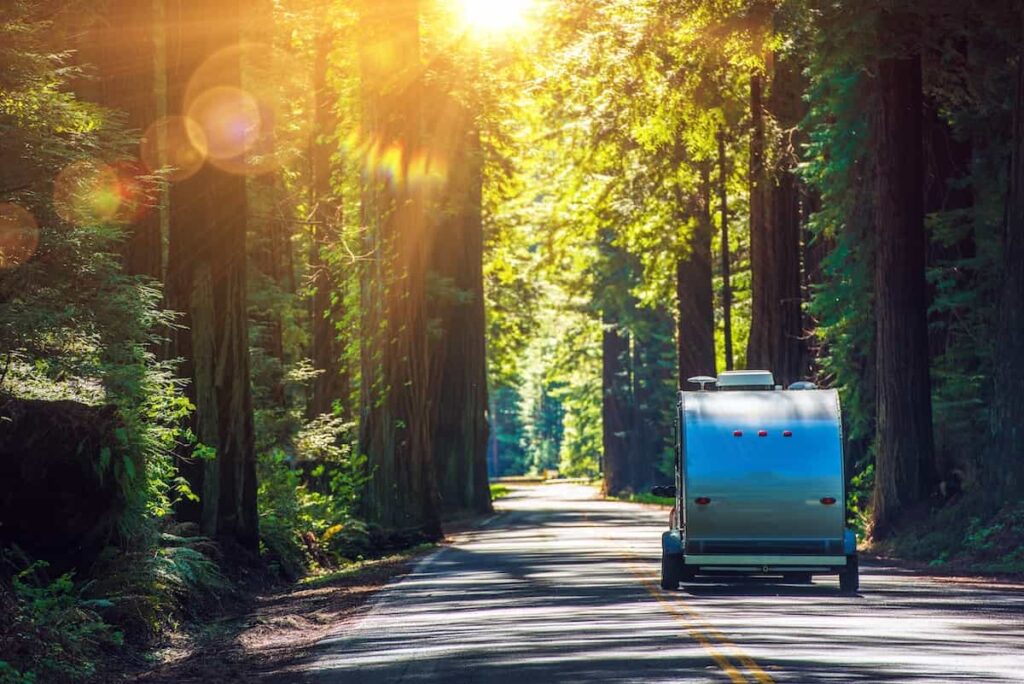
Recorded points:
1006,470
695,337
615,408
460,395
396,429
723,195
776,330
760,350
207,284
653,399
121,44
904,439
332,384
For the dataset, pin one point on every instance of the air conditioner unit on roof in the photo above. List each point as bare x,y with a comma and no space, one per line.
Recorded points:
746,380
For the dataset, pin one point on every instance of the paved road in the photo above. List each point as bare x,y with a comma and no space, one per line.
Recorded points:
562,587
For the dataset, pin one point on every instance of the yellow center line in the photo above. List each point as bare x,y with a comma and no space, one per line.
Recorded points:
723,662
689,619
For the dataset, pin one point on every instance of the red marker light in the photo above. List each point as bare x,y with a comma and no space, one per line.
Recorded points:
787,433
762,433
828,500
702,501
737,433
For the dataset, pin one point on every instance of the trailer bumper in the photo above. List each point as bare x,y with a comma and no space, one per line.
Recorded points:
764,563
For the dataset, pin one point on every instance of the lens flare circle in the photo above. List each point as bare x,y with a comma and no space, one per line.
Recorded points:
87,192
174,146
230,120
268,124
19,235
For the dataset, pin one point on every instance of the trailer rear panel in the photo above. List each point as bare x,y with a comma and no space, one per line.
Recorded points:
762,472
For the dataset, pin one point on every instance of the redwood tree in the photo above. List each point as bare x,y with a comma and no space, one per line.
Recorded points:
904,439
396,429
207,284
1007,470
695,337
121,45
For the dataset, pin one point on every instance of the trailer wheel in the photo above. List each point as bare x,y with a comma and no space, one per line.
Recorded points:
671,570
849,577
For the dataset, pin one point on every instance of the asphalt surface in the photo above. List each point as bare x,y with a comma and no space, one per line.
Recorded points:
562,587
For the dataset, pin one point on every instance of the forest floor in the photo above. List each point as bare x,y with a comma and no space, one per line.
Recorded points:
270,625
267,629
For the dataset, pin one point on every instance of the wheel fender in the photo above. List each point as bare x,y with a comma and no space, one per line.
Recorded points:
849,542
672,543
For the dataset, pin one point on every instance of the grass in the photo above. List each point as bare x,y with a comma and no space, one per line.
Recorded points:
499,491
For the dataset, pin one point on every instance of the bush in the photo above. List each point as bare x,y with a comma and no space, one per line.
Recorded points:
53,634
307,500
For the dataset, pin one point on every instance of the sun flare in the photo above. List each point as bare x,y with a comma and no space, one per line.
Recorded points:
495,16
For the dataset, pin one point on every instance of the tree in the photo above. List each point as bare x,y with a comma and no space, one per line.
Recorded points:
694,287
1006,473
775,222
460,385
120,46
904,442
207,284
396,429
332,383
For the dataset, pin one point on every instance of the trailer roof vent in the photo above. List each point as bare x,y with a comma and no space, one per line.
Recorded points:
746,380
703,381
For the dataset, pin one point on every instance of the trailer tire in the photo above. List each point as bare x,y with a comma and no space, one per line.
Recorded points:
849,577
671,570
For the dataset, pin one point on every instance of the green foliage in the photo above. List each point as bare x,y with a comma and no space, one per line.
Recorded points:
499,491
54,633
308,500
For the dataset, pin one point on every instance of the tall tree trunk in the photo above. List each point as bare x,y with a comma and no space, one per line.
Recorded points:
723,197
695,337
396,429
776,329
460,395
207,283
615,408
814,250
121,44
760,351
653,384
332,383
786,106
904,438
1006,468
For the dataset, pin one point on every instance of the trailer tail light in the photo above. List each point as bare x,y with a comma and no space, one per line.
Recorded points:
787,433
702,501
737,433
828,500
762,433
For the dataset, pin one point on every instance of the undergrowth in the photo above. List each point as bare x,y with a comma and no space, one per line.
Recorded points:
962,537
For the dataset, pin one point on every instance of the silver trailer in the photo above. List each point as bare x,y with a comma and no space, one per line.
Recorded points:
760,485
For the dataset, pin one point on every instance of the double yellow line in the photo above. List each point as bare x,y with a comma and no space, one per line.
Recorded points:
740,668
706,635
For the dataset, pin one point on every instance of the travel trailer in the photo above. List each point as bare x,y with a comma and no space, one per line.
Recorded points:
760,486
